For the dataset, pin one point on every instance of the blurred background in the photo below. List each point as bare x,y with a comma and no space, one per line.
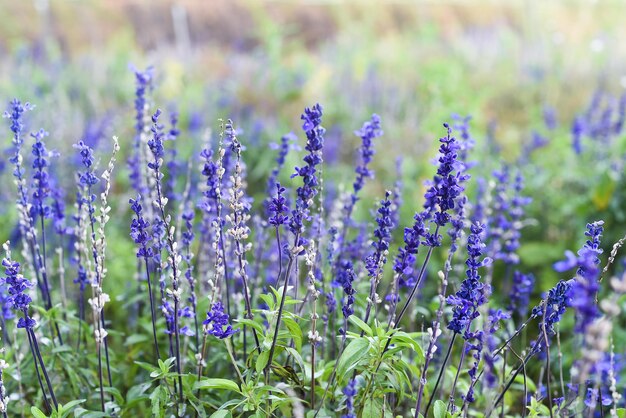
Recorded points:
525,71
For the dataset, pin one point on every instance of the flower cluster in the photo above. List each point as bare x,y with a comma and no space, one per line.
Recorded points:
18,287
216,322
278,207
585,287
445,187
369,131
41,178
348,277
139,229
350,391
523,285
472,293
312,118
382,234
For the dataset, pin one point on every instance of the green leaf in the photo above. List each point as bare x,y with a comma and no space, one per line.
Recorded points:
402,339
216,384
621,413
222,413
68,407
261,361
351,356
251,323
37,413
295,331
297,357
373,408
440,409
361,325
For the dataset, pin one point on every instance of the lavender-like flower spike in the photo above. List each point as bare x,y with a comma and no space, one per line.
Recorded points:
350,391
472,293
20,302
585,287
381,234
216,322
278,207
445,187
18,287
41,179
284,147
312,118
371,129
413,238
347,281
523,285
516,214
144,84
156,147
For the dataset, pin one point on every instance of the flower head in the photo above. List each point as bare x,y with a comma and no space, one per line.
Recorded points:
472,293
278,207
18,287
216,322
312,118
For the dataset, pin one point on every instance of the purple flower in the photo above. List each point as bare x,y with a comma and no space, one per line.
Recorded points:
139,229
18,287
286,144
41,180
312,118
371,129
556,304
216,322
445,187
381,234
413,238
87,178
523,285
472,293
350,391
585,287
278,207
549,117
346,276
577,134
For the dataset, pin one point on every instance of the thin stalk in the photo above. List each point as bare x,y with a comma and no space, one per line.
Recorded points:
43,391
411,295
456,378
440,376
43,368
152,312
515,373
282,299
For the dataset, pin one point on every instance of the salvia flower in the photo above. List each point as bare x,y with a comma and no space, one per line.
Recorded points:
445,187
41,180
382,234
413,238
585,287
216,322
348,276
519,297
278,207
472,293
312,118
139,229
18,288
350,391
369,131
556,303
286,144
